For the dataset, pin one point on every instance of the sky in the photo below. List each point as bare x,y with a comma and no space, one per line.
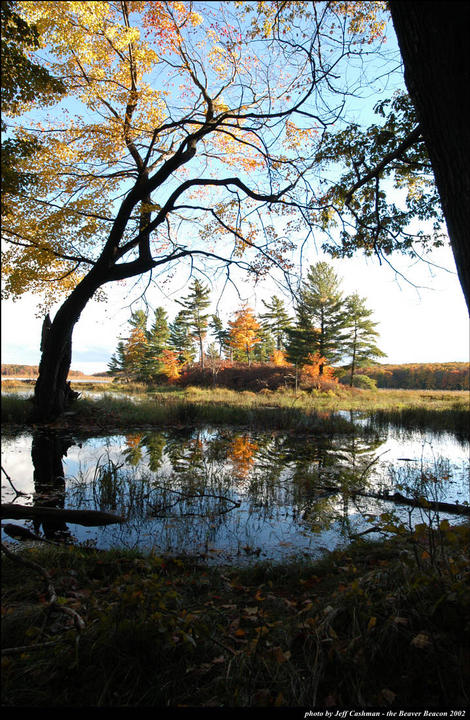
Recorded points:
422,317
419,308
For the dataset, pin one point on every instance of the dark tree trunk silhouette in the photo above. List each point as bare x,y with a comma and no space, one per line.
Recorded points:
434,44
52,392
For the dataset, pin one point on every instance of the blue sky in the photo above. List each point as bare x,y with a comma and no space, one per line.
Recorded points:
422,318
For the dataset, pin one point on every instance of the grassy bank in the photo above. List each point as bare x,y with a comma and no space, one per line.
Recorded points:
384,625
281,409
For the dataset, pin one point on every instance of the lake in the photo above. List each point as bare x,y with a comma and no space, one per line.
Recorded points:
230,495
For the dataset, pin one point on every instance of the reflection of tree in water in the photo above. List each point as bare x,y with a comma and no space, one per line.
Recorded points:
185,450
47,451
242,452
155,444
344,470
133,452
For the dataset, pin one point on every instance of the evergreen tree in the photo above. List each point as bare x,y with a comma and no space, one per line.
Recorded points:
139,319
359,345
220,333
277,320
181,339
158,337
196,303
299,345
116,365
322,308
263,351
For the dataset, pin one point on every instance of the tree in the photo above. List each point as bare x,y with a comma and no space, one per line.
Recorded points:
428,150
264,349
23,81
158,337
360,341
433,40
196,302
301,344
180,339
220,333
276,319
116,365
321,309
244,332
146,157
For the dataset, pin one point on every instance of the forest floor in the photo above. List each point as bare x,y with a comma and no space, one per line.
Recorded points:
383,625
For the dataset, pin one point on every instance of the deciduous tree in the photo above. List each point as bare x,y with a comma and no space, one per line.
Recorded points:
244,332
172,121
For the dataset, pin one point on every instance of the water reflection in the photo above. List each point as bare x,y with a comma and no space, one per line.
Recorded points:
226,494
47,452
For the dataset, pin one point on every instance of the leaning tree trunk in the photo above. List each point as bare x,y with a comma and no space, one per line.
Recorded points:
433,40
52,392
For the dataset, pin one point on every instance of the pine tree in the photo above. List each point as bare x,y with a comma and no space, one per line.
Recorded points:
116,365
263,351
322,308
220,333
196,302
359,344
277,320
158,337
181,339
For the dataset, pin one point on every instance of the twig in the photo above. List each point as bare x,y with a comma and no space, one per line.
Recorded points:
18,492
27,648
53,601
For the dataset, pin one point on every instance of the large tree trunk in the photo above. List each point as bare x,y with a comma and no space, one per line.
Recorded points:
434,44
52,392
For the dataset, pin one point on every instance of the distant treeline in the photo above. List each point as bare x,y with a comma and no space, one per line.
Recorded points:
420,376
30,371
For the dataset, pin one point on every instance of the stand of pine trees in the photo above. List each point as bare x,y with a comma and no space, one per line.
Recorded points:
325,337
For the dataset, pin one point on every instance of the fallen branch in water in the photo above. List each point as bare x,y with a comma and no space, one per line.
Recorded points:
396,497
90,518
157,510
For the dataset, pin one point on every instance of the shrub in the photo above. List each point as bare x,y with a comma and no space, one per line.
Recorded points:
364,382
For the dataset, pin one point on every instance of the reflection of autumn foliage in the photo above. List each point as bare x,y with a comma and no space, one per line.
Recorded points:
242,454
133,441
316,368
134,448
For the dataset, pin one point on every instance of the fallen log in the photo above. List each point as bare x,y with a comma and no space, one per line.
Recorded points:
90,518
431,504
399,499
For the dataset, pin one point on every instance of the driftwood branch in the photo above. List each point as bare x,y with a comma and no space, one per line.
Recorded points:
90,518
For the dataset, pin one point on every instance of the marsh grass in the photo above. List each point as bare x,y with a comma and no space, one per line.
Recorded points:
363,627
281,409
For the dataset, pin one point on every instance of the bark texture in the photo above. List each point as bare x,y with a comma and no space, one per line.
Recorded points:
434,44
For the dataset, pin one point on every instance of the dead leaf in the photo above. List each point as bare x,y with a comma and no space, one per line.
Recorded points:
421,641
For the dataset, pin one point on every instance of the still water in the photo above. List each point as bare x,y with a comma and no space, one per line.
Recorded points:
231,495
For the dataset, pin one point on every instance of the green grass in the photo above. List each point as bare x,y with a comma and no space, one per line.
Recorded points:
379,624
279,409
